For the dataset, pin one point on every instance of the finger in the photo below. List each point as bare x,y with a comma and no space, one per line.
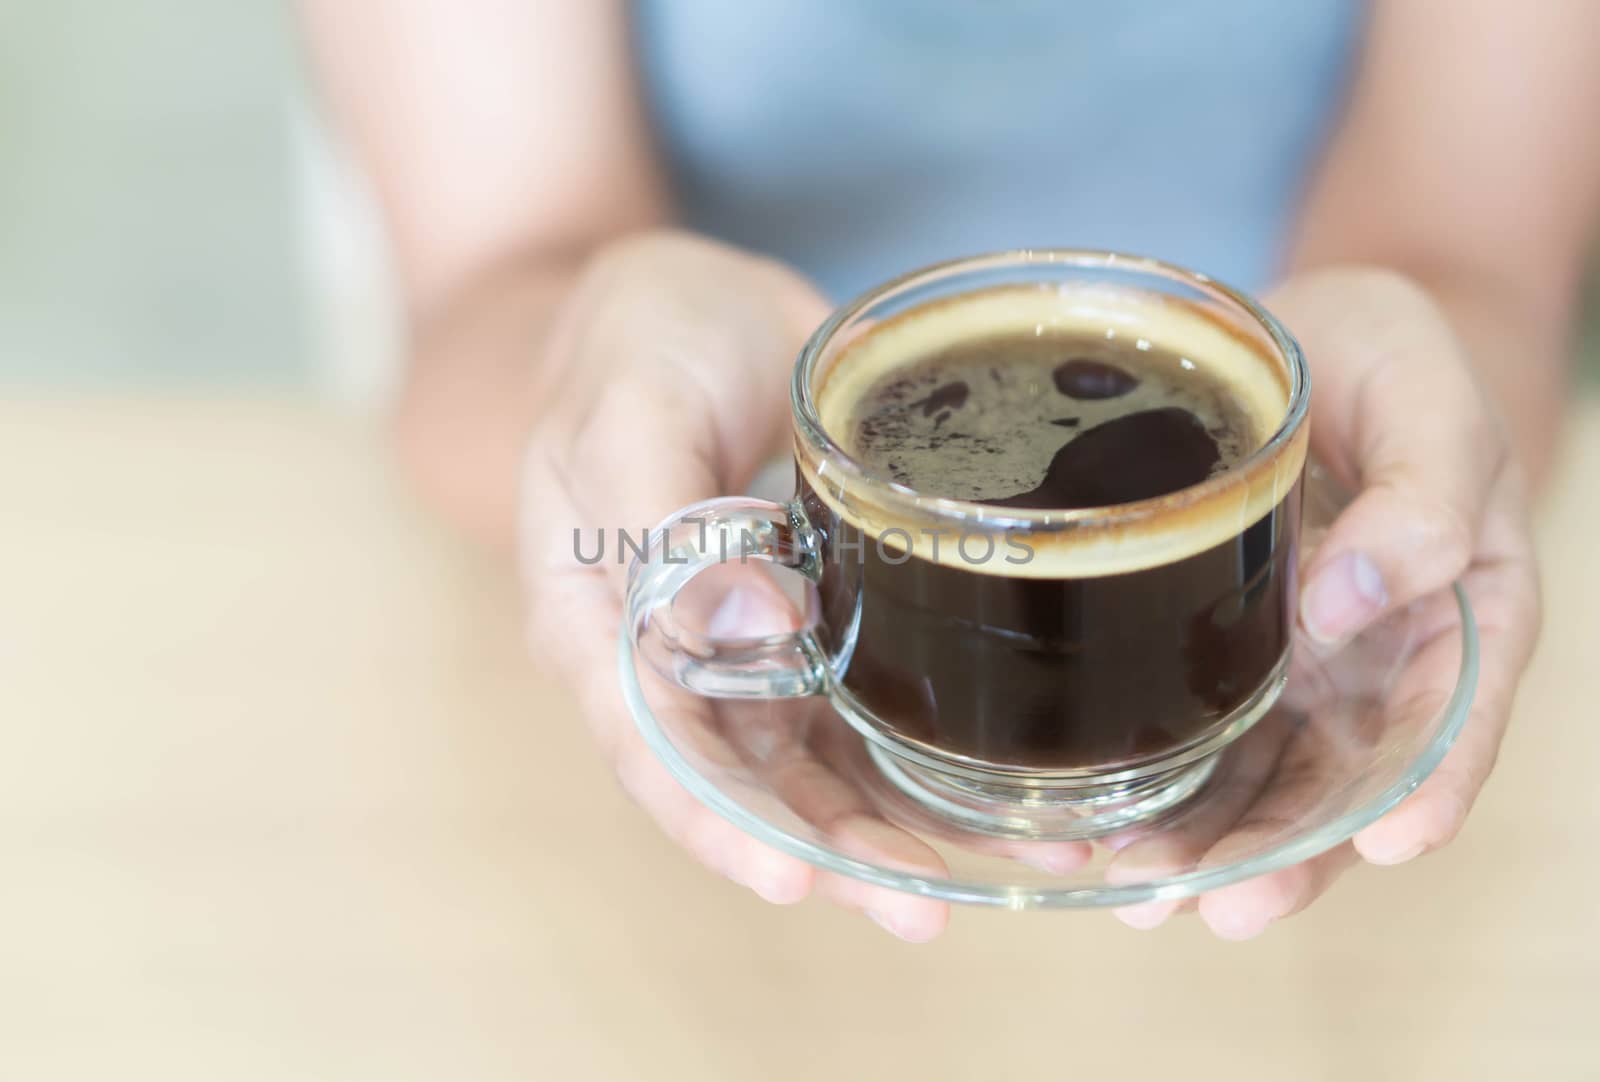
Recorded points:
1362,706
1148,916
1397,411
574,616
709,838
574,620
1317,761
643,452
1248,767
697,409
911,917
1052,858
774,742
832,783
712,840
843,754
782,747
1313,764
738,600
1504,593
792,748
1245,910
805,772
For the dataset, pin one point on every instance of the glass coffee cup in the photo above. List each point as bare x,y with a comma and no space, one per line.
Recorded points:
1048,504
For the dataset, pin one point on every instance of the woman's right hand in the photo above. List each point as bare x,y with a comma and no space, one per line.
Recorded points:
664,379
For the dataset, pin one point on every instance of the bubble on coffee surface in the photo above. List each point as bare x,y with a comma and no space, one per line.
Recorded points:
1088,321
1050,419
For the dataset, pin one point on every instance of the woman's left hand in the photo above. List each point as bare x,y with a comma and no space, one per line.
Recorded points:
1398,417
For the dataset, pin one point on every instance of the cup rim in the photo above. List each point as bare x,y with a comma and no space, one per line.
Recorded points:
808,421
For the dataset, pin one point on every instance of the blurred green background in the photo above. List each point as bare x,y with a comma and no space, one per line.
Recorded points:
173,215
149,226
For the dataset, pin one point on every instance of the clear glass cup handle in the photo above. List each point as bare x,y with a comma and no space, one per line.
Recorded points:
783,665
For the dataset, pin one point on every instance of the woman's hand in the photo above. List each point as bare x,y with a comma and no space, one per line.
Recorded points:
666,384
665,376
1399,419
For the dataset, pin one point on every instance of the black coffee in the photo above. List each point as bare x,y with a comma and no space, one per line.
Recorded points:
1058,421
1056,671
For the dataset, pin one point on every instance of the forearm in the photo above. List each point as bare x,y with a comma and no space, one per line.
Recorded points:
1476,188
537,347
472,389
503,142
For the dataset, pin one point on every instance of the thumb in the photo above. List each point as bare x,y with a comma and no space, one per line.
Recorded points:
685,354
1395,411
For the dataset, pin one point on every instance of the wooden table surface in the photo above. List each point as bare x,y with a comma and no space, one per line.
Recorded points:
280,798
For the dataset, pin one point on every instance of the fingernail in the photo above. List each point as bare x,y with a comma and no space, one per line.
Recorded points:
1236,926
1395,856
1054,862
748,612
1146,915
732,616
730,872
1342,598
882,921
772,888
893,927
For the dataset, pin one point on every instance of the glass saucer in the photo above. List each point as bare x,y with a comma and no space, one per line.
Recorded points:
1357,728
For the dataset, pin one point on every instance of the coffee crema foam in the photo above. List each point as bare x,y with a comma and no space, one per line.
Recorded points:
1064,543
